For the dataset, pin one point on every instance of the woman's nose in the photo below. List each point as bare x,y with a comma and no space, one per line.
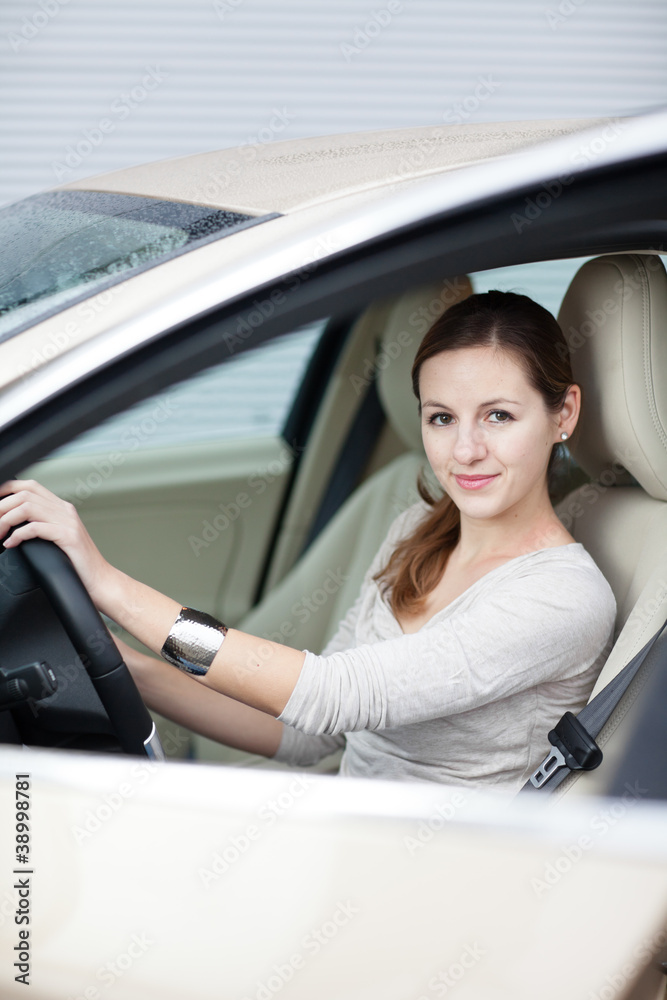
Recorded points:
469,444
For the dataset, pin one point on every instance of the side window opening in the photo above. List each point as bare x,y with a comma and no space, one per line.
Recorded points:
248,396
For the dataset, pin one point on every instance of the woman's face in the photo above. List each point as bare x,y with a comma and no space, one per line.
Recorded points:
486,431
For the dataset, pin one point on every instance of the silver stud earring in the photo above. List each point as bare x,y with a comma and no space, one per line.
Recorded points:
563,436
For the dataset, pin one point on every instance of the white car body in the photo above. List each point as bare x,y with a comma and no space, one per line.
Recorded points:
166,880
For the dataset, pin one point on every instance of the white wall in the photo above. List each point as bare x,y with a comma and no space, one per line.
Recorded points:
170,77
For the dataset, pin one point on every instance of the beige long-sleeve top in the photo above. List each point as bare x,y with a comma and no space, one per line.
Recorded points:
470,697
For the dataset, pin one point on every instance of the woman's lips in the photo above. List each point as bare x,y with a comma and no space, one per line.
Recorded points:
474,482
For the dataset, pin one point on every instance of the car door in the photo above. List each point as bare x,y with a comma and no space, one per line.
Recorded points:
184,490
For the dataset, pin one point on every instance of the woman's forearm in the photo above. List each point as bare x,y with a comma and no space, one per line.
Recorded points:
260,673
180,698
257,672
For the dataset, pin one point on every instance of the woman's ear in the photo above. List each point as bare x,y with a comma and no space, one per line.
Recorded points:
569,414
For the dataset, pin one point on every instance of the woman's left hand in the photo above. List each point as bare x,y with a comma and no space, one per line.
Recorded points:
41,514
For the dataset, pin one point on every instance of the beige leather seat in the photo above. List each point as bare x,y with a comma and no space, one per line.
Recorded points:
336,414
614,317
304,609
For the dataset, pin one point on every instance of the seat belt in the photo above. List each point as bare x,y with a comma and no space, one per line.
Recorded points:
573,746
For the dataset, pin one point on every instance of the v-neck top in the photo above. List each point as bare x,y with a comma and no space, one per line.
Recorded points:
469,698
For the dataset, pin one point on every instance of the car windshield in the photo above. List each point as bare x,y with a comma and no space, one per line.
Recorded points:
60,247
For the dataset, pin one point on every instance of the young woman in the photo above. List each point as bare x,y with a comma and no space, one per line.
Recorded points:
479,622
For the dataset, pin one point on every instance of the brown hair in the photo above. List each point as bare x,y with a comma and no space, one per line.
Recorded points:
510,322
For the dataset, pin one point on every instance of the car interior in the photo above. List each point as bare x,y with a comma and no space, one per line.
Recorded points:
274,534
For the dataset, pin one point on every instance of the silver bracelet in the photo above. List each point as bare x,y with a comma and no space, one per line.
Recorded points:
193,641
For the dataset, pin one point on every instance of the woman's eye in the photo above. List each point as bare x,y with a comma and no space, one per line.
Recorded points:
445,419
504,416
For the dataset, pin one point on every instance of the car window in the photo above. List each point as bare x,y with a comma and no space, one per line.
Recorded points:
247,396
546,281
251,395
55,248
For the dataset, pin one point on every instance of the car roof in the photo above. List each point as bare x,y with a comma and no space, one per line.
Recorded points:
372,194
294,174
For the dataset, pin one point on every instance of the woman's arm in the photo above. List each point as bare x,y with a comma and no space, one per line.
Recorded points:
260,673
32,511
178,697
542,620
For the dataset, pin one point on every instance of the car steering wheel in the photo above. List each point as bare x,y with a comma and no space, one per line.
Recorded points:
92,641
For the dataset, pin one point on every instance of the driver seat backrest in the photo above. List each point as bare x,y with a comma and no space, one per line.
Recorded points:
303,610
614,318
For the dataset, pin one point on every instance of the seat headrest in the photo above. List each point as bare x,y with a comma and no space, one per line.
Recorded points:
410,317
614,318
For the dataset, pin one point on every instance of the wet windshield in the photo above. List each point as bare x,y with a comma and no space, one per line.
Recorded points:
60,247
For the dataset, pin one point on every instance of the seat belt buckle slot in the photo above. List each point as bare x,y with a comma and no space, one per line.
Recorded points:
572,746
551,763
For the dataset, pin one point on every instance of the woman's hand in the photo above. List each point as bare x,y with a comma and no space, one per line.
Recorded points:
142,611
247,668
49,517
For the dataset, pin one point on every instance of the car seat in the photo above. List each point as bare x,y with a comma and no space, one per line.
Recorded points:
618,514
614,318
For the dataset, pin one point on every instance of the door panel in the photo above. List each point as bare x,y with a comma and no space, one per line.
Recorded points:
194,522
184,490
